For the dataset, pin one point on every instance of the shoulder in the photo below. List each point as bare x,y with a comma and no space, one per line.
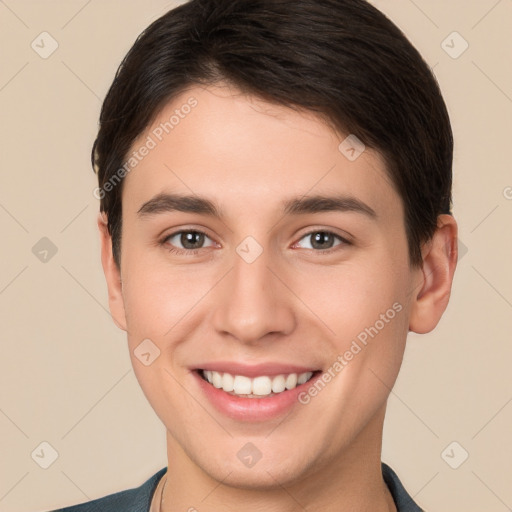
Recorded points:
137,499
403,501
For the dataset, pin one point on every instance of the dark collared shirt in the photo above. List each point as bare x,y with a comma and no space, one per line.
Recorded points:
138,499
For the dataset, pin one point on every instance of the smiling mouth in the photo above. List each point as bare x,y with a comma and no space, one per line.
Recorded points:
258,387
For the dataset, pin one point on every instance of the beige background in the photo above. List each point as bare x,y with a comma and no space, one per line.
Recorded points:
65,373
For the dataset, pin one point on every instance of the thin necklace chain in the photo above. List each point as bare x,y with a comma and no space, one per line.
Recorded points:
162,497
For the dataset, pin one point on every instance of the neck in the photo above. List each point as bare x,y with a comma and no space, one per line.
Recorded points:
347,481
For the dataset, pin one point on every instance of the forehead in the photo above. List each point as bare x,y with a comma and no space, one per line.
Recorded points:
246,154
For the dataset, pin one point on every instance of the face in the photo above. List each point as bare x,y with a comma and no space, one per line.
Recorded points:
255,282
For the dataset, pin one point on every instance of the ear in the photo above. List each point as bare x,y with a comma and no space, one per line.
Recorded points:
430,298
112,274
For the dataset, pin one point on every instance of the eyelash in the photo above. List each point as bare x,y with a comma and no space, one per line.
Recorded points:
190,252
174,250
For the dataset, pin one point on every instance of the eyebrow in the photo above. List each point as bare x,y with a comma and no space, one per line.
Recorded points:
165,203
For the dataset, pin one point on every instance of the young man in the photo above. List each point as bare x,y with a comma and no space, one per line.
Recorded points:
275,186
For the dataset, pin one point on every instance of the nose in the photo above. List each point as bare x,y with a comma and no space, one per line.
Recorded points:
253,302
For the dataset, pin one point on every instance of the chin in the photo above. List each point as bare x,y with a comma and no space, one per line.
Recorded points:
268,473
262,479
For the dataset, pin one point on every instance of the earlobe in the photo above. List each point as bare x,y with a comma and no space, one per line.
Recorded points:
112,274
430,299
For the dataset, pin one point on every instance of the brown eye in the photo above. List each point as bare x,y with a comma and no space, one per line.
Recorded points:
190,240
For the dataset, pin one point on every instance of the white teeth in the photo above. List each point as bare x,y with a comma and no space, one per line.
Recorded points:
228,382
257,387
241,385
304,377
217,380
278,384
291,381
262,386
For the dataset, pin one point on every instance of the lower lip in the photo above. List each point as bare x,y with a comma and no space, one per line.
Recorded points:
253,409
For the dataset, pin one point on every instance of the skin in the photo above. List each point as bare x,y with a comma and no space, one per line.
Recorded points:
293,304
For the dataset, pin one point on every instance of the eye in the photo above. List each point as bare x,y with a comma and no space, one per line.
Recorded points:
323,240
191,240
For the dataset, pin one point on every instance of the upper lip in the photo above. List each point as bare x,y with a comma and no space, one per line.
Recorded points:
270,369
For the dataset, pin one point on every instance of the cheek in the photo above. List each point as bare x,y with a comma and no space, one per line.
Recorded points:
373,333
156,295
364,309
351,297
